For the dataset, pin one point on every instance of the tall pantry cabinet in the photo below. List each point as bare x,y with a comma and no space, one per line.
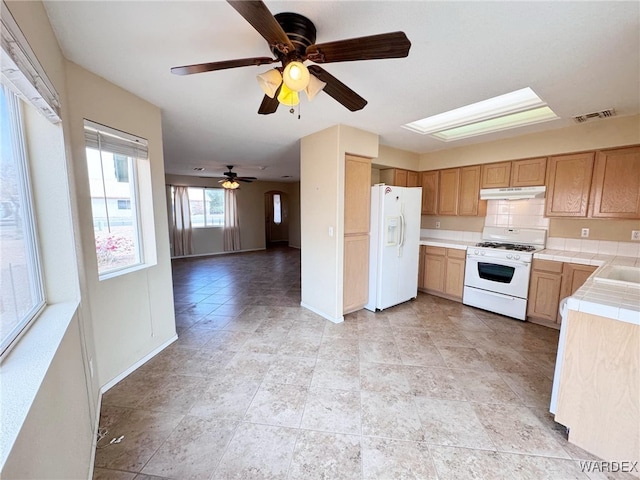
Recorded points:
357,205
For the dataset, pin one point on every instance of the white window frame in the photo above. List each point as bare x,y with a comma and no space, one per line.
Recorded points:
33,260
204,200
119,142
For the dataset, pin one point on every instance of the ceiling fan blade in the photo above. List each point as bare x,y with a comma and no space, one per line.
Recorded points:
210,67
385,45
269,105
246,179
260,18
338,90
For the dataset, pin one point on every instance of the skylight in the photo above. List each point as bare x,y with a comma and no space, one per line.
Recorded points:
511,110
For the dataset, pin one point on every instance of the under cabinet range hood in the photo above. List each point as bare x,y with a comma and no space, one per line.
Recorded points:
512,193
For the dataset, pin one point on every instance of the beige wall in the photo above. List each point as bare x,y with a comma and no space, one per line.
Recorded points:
322,160
111,324
463,224
251,212
132,314
389,157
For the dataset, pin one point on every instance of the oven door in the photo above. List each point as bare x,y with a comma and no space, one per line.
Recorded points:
510,277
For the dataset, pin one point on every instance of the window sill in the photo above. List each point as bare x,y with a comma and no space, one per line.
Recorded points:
25,367
124,271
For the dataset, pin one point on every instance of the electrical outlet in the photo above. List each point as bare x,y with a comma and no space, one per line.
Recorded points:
635,234
437,224
584,233
91,367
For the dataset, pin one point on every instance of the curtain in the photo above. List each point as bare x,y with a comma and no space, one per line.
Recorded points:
181,237
231,224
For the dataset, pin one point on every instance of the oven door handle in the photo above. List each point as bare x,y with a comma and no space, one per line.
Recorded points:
510,263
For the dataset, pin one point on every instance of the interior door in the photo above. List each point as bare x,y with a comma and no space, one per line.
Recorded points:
276,218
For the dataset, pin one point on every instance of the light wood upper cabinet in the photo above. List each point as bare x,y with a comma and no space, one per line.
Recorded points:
399,177
413,179
530,172
429,182
496,175
357,194
568,185
615,192
469,197
448,189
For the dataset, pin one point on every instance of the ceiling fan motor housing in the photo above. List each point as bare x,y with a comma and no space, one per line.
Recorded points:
300,30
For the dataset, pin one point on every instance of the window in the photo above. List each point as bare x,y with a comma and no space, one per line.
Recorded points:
207,207
112,164
277,209
21,290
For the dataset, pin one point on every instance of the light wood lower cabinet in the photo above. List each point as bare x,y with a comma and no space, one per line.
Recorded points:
442,271
551,282
356,272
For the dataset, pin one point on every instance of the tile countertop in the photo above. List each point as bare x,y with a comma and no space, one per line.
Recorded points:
606,300
446,243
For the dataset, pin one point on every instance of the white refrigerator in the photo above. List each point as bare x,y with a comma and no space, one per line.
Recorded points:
395,245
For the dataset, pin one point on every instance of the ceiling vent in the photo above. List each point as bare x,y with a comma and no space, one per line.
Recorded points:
590,116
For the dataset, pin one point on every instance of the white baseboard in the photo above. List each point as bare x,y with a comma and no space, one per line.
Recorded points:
340,319
137,365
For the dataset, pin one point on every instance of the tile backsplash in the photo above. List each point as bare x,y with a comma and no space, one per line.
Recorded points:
516,213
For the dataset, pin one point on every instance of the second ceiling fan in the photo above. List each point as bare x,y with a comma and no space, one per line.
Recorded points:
291,38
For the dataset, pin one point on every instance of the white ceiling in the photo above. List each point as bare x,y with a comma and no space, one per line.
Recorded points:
579,57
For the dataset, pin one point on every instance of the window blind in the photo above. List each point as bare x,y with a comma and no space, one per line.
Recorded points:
108,139
22,71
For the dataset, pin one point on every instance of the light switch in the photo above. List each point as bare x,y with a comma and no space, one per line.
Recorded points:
331,231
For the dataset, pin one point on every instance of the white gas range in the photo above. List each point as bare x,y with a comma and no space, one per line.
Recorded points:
497,270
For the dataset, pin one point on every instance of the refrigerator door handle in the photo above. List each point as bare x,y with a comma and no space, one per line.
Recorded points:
402,234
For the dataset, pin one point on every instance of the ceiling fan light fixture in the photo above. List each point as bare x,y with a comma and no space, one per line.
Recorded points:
296,76
269,81
288,97
230,184
315,86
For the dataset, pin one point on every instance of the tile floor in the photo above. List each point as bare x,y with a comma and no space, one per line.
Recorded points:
257,387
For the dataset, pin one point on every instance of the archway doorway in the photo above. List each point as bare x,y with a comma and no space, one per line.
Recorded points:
276,218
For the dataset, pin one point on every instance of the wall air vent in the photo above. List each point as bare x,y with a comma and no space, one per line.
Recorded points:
590,116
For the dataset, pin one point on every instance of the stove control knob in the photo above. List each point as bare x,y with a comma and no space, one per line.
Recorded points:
475,252
509,255
517,257
482,253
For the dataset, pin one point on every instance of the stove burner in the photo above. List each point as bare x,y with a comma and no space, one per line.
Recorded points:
507,246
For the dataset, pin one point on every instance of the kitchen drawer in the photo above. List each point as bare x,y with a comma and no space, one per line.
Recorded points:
456,253
436,251
547,265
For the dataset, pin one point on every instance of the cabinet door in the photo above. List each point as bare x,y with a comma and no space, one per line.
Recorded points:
469,191
356,272
544,295
454,280
496,175
434,271
528,173
400,178
429,181
574,276
421,256
357,194
616,184
448,191
413,179
568,184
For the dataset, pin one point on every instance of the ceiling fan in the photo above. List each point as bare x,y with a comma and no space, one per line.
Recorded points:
231,179
291,38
